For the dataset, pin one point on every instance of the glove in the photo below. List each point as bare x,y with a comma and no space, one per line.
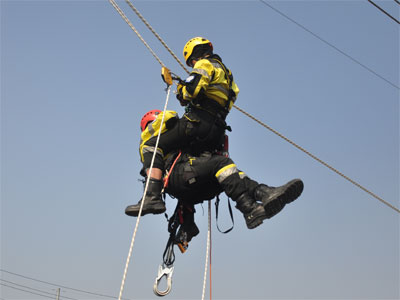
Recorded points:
179,94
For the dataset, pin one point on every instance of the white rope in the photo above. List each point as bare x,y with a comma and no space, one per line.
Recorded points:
207,250
143,198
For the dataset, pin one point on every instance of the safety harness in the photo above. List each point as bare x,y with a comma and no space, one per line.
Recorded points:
229,78
202,102
182,229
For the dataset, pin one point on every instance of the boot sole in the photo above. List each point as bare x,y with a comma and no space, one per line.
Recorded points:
291,191
155,210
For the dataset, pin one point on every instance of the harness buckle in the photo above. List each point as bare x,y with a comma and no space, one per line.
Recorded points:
167,272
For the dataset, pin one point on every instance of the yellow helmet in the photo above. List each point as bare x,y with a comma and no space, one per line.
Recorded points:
191,44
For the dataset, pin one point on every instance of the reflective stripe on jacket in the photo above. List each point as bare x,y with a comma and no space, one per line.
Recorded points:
214,83
153,129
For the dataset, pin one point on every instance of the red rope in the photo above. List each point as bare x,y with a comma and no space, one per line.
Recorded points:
166,178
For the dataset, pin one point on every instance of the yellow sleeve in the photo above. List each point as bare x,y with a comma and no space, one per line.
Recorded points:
205,70
154,128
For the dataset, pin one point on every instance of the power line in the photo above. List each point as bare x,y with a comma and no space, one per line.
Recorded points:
59,285
27,287
15,288
397,2
33,289
384,11
321,161
329,44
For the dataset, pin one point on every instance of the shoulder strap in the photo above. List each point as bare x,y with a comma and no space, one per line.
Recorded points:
229,78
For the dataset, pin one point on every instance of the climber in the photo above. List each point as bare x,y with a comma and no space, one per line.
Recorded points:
196,178
208,95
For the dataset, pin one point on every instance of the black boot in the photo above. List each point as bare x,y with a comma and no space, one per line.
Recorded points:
274,199
253,212
153,203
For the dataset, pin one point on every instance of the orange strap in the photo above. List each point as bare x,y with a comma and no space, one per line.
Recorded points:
166,178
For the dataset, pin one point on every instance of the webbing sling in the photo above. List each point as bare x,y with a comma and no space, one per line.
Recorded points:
230,212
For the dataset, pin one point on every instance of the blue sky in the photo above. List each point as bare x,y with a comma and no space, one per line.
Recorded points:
75,82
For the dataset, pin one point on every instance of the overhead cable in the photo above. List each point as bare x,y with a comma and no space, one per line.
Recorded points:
36,290
384,11
118,9
59,285
291,142
322,162
156,34
30,292
329,44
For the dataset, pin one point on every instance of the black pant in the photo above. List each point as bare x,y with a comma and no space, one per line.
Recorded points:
198,130
193,179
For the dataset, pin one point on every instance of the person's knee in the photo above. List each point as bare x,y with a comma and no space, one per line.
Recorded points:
158,161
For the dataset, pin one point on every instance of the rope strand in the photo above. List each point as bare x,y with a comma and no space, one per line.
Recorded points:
207,251
319,160
143,199
156,34
118,9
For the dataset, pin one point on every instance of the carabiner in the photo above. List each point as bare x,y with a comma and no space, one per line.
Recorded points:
167,272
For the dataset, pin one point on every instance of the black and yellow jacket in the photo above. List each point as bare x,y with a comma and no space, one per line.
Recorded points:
153,129
212,80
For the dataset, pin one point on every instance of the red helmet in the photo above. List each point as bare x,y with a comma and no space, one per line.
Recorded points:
148,117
